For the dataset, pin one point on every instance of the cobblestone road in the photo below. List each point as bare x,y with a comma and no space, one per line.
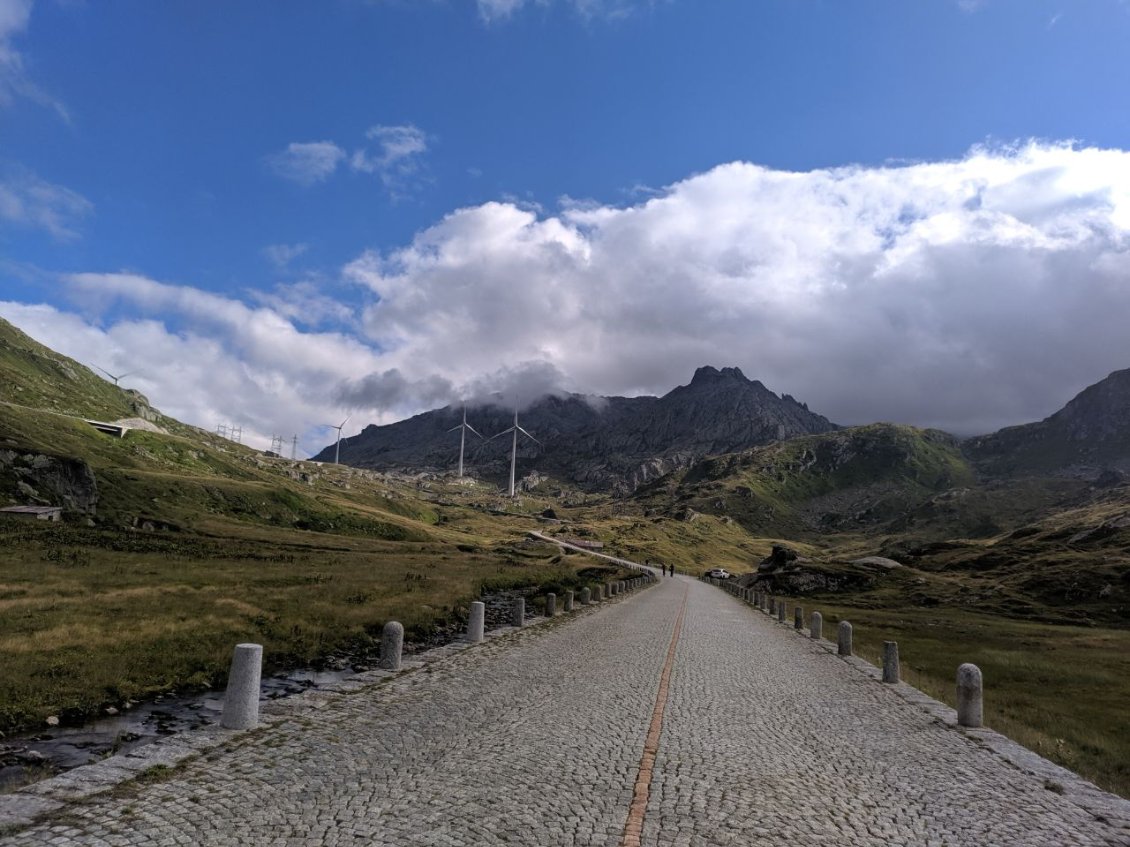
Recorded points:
536,739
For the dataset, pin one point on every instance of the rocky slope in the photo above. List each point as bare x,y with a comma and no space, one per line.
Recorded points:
1088,436
598,443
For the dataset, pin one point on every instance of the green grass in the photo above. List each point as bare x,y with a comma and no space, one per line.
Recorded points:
93,617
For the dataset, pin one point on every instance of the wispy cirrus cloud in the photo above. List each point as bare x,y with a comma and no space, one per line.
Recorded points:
27,200
395,157
281,255
307,163
397,162
14,81
495,10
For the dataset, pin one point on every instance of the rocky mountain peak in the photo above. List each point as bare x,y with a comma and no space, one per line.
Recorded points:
708,375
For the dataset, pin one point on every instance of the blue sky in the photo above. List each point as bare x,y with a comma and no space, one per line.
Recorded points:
357,184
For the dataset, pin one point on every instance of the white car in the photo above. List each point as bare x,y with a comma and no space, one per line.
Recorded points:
718,573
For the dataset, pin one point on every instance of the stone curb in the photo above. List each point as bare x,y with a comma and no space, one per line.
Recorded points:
1101,804
31,804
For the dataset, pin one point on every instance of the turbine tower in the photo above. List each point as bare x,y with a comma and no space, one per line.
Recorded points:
115,378
463,427
514,447
337,449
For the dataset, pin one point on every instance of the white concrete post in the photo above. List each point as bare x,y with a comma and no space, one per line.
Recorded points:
392,646
890,661
518,612
816,627
843,641
970,690
476,623
241,700
569,595
550,604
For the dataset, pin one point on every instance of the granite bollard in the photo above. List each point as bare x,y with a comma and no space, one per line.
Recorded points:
772,606
392,646
798,618
518,612
586,596
476,622
550,604
597,593
241,700
890,661
781,612
569,596
843,640
816,626
970,696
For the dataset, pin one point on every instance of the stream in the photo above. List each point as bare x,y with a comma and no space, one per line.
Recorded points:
29,757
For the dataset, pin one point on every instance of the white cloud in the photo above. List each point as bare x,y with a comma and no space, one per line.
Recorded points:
14,81
397,159
281,255
307,163
966,294
29,201
493,10
398,162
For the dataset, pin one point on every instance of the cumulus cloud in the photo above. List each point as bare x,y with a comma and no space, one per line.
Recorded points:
965,294
307,163
226,361
29,201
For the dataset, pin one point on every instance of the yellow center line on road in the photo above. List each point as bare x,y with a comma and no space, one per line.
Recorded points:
633,829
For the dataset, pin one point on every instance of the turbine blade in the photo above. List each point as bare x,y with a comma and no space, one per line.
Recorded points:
504,432
455,428
472,429
528,435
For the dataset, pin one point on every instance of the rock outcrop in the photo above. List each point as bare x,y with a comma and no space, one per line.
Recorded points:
51,481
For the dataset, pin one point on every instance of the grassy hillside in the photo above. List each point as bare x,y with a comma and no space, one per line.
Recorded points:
844,480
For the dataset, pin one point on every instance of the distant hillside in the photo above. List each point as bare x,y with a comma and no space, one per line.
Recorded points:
36,376
598,443
1087,436
845,480
181,478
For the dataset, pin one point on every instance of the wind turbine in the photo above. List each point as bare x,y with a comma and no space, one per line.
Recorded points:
514,447
337,449
115,378
463,427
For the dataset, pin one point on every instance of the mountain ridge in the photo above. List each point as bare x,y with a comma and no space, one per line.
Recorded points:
599,443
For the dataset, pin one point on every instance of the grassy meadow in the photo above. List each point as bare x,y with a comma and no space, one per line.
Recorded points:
93,617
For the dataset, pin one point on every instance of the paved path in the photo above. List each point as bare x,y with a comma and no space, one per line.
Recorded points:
538,738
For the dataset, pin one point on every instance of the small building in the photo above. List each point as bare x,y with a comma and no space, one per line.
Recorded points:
34,513
114,429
